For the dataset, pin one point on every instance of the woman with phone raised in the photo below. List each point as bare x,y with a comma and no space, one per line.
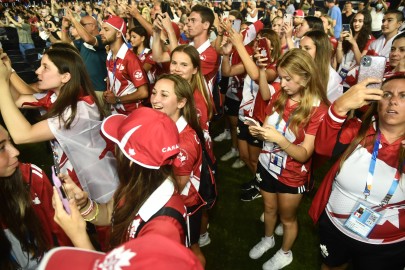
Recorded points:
360,205
71,122
352,45
293,117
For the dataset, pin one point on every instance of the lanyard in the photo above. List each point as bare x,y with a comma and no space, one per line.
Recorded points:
286,124
370,175
371,168
112,86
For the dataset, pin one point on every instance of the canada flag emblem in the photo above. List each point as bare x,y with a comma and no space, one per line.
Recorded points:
138,75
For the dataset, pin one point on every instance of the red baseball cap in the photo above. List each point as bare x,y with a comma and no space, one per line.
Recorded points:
146,136
299,13
146,252
118,24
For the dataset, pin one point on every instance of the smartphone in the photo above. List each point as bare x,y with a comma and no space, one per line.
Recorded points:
263,47
61,12
345,27
225,14
48,25
287,18
236,25
372,67
61,191
251,122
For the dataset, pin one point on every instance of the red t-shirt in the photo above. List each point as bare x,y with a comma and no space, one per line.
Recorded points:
125,76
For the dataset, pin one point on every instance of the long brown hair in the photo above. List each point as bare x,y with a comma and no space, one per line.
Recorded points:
299,62
197,80
323,54
366,140
136,185
67,61
18,215
183,90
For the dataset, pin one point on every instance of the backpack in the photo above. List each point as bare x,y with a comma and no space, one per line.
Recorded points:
208,189
170,212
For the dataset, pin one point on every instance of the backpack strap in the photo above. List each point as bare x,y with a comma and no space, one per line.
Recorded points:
166,211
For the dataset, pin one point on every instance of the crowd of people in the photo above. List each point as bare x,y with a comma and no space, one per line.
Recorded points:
127,93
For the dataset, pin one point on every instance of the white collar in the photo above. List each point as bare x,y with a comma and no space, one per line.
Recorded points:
157,200
121,52
203,46
181,124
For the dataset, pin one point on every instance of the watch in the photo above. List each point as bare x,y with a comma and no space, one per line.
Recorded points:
117,100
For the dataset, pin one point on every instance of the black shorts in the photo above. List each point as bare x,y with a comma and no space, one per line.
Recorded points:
195,223
231,106
268,183
244,135
338,248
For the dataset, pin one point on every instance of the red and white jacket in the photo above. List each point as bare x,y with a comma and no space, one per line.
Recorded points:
125,76
189,162
341,190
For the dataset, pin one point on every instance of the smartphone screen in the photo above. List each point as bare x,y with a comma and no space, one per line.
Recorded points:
346,27
236,25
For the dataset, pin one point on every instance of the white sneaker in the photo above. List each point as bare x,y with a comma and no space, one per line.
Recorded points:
238,164
204,239
279,229
226,135
231,154
259,249
278,261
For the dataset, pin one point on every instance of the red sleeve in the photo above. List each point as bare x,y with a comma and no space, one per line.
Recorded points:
149,59
316,119
166,226
327,135
188,156
41,189
209,61
135,71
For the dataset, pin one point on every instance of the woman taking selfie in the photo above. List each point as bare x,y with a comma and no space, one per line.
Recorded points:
368,228
352,45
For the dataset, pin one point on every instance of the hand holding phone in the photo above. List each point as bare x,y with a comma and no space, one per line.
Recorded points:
251,122
236,25
372,67
61,191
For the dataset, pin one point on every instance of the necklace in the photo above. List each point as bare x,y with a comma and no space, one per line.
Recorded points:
298,101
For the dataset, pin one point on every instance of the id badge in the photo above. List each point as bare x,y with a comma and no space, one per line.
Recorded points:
362,220
343,73
276,163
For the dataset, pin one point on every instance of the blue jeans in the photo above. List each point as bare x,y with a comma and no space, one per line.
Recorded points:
26,46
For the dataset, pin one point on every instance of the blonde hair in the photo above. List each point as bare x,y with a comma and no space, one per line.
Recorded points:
297,62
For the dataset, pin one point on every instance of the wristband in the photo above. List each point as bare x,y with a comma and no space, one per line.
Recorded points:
89,209
117,100
95,216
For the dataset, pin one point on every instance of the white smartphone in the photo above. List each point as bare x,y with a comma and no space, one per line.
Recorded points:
372,67
236,25
251,122
287,18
